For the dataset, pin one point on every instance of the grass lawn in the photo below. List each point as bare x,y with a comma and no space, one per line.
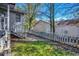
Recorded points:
37,49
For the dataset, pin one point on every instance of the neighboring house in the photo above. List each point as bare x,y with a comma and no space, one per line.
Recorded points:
41,26
68,28
9,19
65,28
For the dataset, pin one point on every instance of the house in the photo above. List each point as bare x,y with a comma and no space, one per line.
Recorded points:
63,28
68,28
41,26
16,17
11,21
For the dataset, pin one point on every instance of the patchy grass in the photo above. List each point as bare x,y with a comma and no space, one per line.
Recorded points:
37,49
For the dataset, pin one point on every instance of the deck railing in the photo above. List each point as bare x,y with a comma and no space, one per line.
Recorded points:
2,43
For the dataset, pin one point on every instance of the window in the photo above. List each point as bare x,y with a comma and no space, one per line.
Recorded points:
18,19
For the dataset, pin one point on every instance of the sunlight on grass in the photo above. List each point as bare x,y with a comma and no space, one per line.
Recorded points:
38,49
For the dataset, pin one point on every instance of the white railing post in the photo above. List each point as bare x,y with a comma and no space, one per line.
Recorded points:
8,25
8,13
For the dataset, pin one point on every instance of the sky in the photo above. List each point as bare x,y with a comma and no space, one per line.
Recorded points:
62,11
66,11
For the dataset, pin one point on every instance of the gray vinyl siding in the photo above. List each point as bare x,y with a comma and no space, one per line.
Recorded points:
16,26
12,20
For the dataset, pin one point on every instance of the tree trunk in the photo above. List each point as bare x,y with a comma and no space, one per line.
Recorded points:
52,21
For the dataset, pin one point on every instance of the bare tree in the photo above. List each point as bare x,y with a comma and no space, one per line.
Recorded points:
52,21
49,13
31,10
52,26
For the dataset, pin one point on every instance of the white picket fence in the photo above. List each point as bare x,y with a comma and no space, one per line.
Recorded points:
67,39
70,40
60,38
